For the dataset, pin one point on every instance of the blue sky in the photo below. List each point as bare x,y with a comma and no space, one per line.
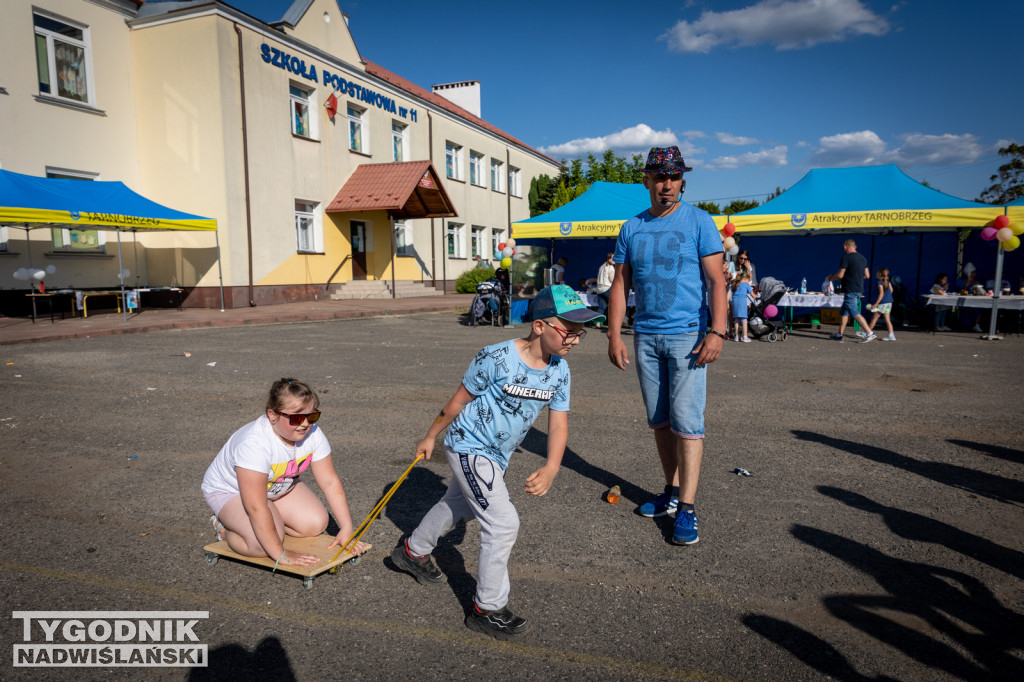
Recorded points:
755,93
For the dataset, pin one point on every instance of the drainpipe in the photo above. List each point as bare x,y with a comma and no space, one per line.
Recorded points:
391,221
433,235
245,165
508,197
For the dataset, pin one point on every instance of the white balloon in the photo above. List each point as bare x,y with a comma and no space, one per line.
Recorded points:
51,269
734,250
20,273
508,251
39,274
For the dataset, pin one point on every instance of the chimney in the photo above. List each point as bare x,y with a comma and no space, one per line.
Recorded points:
466,94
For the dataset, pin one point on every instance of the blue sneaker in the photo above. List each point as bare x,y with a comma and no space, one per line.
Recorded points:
661,505
685,532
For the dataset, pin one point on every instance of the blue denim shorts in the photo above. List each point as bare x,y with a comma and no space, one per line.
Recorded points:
673,386
851,304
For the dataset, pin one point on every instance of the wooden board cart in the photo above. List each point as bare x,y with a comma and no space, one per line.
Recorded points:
315,545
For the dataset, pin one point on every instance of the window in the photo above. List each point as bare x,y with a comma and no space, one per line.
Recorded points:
308,228
515,181
357,130
62,59
400,141
476,168
456,240
302,102
403,239
497,176
453,160
76,241
497,237
477,242
4,239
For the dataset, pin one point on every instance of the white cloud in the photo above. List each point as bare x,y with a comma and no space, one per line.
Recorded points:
766,158
866,148
639,138
786,24
693,134
737,140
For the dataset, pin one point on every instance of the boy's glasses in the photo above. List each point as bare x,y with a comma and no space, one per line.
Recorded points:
567,336
297,419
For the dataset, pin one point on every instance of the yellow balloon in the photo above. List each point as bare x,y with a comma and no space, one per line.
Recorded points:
1011,243
1017,228
506,262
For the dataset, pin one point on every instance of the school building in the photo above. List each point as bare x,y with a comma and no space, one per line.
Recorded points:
327,174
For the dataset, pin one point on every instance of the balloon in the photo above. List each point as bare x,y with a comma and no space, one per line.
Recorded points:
728,243
770,311
39,274
51,269
511,242
501,246
507,252
1001,221
1004,234
497,255
989,233
729,229
21,273
506,262
1016,228
1011,243
734,250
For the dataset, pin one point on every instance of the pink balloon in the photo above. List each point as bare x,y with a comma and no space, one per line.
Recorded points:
770,311
989,233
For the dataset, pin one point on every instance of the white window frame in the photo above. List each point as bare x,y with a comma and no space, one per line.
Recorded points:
477,240
455,235
399,141
453,160
308,100
476,169
356,116
403,245
515,181
65,233
497,175
309,217
51,60
4,239
497,237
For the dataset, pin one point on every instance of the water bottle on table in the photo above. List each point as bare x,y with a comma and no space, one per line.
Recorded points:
803,286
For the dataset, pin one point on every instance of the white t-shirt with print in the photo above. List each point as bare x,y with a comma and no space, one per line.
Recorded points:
256,446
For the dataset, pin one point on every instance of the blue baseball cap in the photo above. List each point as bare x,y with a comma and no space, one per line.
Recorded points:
559,300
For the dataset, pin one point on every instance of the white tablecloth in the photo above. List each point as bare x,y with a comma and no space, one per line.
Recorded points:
791,300
1005,302
590,300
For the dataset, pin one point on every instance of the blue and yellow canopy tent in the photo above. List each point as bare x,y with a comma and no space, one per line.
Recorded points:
29,202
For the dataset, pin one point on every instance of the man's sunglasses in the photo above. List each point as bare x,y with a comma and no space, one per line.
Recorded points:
567,336
297,419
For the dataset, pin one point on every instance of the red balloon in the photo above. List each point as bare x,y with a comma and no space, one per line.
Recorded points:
501,246
729,229
1001,221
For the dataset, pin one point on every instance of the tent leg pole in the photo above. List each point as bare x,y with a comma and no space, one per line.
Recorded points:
998,290
120,275
220,272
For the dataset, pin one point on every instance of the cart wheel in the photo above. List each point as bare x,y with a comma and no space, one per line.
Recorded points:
307,582
211,558
772,337
354,560
785,335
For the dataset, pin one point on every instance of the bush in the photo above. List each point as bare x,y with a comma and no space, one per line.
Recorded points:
467,281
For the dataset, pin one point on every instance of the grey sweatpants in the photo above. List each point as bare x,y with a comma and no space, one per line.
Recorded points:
477,490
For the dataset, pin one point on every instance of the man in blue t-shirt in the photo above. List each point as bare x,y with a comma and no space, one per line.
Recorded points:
671,256
853,270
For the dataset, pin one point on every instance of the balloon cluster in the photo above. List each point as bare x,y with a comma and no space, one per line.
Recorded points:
32,273
1006,232
728,241
505,252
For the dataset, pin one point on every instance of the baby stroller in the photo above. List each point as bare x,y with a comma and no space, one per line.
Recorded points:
489,305
772,290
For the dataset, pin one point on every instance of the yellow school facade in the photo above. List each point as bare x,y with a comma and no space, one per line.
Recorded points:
322,168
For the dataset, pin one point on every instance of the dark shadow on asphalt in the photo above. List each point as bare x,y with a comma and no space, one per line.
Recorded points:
268,661
920,528
981,483
999,451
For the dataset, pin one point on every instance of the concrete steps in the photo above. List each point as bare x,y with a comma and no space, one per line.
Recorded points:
362,289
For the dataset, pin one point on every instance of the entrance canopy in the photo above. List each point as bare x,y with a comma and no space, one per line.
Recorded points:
405,190
598,212
859,200
27,201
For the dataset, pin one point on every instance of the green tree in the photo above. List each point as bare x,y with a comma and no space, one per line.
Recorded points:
1008,183
709,206
579,174
778,192
740,205
542,193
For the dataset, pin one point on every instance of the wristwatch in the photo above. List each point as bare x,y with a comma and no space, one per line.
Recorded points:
718,334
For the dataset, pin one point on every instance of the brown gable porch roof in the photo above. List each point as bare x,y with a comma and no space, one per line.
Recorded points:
409,189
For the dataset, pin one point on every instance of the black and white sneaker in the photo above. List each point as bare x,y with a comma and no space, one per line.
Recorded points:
499,623
422,568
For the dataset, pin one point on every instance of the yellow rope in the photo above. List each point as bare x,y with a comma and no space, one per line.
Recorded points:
365,525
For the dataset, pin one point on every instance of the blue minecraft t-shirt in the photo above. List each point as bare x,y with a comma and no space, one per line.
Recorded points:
665,253
510,396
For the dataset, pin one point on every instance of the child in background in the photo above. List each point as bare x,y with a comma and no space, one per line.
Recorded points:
883,304
501,395
740,290
939,288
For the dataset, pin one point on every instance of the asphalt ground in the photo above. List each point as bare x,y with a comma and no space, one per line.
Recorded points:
878,536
